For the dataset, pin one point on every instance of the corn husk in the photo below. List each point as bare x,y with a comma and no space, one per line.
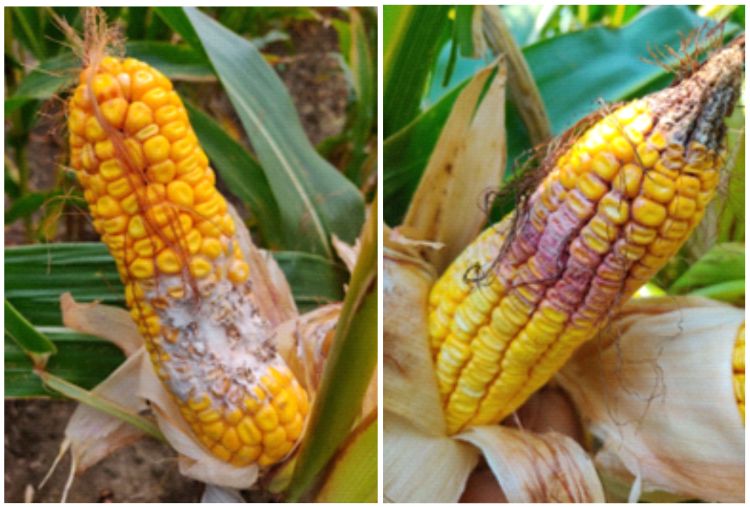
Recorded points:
656,390
529,467
468,160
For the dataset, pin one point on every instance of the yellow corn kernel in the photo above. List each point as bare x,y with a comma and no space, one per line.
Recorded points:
658,187
162,172
266,418
139,116
180,193
142,268
156,149
168,262
114,111
200,267
648,213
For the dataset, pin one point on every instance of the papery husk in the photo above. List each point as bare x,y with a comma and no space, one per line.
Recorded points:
530,467
217,494
421,463
421,467
468,160
109,322
656,389
304,343
409,384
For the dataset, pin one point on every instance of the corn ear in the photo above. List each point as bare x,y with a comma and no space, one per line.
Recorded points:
153,200
614,207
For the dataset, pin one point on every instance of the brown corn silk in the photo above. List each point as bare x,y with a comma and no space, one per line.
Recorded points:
153,200
613,208
738,370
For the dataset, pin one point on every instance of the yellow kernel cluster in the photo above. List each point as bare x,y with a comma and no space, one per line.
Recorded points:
263,429
617,205
738,369
153,200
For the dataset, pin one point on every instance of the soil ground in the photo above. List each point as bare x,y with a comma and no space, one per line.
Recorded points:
147,471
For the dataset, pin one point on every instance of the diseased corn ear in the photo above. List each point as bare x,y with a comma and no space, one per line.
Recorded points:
657,388
191,286
613,208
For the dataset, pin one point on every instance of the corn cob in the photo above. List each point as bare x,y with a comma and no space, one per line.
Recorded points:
738,369
153,200
611,211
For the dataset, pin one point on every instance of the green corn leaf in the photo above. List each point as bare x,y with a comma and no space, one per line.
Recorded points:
354,350
318,200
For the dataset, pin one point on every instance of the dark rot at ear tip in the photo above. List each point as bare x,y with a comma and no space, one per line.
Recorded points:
693,110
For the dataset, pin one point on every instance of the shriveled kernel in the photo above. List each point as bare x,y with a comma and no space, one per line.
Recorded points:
115,225
168,262
142,81
129,204
211,248
147,132
107,207
682,207
214,430
200,267
182,148
166,114
142,268
623,149
156,149
688,186
114,111
174,131
605,165
648,212
615,208
180,193
193,240
628,180
163,172
647,155
592,187
209,416
155,98
111,169
639,234
120,188
94,130
274,438
135,158
139,116
658,187
249,432
266,418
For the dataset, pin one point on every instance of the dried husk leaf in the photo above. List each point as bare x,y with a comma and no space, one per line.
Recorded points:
304,343
469,159
530,467
421,467
346,252
409,385
109,322
217,494
93,435
656,389
271,292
